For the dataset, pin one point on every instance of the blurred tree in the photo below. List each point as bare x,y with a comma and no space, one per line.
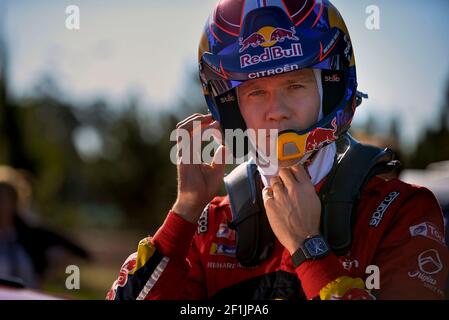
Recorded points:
13,150
434,144
371,126
48,126
394,131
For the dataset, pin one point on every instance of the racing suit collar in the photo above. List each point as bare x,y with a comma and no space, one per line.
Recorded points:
318,169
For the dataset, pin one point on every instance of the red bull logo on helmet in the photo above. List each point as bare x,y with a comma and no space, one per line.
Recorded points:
267,37
321,136
292,145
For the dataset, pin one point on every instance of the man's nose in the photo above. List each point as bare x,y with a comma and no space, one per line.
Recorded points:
277,108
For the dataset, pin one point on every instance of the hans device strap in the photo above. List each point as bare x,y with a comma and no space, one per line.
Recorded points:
255,239
354,166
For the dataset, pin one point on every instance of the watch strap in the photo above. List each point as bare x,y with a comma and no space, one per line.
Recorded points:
299,256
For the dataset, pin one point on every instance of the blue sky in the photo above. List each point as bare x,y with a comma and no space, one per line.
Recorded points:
148,48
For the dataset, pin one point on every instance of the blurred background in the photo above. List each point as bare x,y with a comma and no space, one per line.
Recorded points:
86,115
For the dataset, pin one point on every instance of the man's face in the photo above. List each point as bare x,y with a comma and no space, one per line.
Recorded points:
287,101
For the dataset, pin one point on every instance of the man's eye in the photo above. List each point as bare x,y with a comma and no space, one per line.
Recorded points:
295,86
256,93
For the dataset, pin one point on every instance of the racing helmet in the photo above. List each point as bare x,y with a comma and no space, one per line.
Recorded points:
251,39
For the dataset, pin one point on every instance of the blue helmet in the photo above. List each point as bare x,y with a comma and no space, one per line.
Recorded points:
250,39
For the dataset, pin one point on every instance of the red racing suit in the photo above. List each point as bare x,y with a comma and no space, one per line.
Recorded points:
398,252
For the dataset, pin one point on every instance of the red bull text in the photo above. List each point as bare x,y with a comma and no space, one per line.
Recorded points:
267,37
270,54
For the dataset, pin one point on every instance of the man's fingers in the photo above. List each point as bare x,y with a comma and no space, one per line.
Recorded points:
198,125
288,177
189,118
277,185
267,194
193,127
187,124
214,125
180,123
300,173
215,131
220,157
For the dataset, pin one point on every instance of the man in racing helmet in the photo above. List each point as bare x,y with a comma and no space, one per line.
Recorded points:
291,234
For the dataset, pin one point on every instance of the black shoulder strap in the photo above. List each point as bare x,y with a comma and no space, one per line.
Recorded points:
255,239
355,165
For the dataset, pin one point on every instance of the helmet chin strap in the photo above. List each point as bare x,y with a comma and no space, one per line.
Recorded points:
321,161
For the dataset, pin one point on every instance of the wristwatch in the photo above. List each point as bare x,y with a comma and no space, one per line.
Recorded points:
313,248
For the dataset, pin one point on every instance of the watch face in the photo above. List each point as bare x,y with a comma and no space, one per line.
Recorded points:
316,247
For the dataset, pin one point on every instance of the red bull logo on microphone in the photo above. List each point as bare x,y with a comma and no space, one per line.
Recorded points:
267,37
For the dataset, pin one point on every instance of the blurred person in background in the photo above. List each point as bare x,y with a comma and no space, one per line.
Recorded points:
26,251
15,261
